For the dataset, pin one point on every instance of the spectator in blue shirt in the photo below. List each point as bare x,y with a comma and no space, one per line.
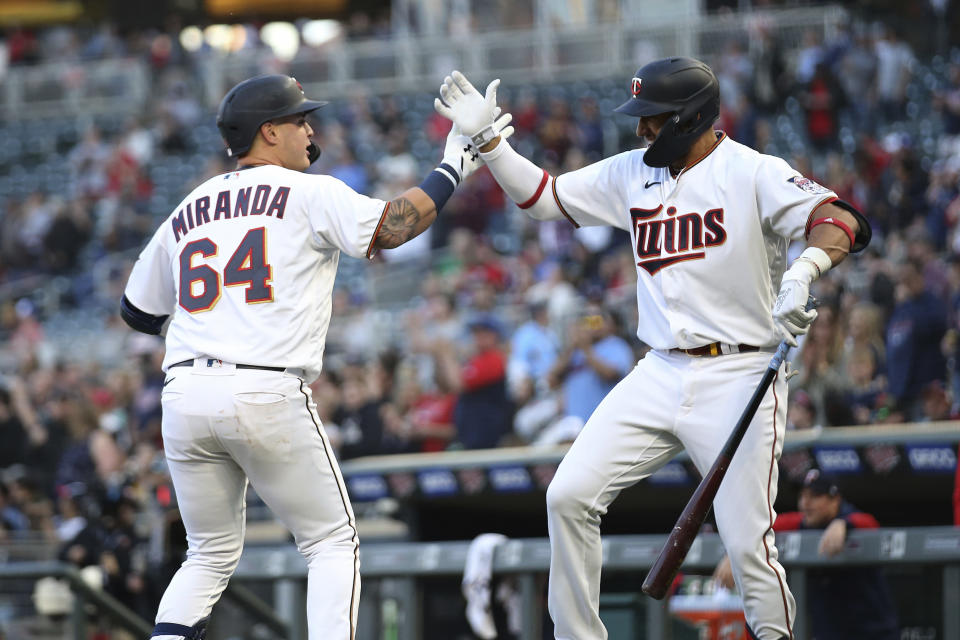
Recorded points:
592,363
348,170
533,349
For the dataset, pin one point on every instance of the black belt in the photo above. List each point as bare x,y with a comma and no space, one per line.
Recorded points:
713,349
189,363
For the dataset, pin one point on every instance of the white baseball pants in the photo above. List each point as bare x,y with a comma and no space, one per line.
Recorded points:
671,402
223,425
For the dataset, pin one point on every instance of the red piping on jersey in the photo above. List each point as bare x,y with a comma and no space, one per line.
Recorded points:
708,152
526,204
840,224
383,216
556,199
773,461
806,231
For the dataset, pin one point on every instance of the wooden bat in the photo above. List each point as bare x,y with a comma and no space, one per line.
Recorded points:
665,569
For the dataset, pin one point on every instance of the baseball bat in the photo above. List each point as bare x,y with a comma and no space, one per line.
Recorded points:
671,556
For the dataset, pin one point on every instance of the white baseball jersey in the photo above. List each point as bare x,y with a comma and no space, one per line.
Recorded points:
695,287
246,264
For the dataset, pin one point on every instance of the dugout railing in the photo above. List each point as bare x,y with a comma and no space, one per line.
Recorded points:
391,604
393,570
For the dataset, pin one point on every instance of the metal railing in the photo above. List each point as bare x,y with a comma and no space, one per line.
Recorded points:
83,88
119,614
405,62
83,594
395,570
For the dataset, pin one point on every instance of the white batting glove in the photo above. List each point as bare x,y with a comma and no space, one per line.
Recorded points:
461,103
460,152
790,310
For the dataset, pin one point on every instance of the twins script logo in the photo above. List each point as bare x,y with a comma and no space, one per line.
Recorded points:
673,238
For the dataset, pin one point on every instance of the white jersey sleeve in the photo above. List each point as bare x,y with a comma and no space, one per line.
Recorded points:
150,287
594,195
343,219
786,199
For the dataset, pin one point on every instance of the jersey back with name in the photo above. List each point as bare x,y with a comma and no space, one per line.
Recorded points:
245,265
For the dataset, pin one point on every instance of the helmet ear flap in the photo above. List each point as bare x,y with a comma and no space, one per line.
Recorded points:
691,123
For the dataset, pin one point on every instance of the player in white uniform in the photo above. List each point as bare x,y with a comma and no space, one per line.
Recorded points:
245,266
710,221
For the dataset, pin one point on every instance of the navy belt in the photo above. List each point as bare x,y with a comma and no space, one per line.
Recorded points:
189,363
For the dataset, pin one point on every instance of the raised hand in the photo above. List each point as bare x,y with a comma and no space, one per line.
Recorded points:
475,114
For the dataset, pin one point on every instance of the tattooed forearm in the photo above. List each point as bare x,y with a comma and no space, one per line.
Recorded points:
399,223
404,220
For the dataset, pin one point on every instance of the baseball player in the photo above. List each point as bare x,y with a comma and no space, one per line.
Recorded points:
244,268
710,221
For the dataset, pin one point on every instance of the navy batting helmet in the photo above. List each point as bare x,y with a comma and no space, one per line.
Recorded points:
684,87
256,101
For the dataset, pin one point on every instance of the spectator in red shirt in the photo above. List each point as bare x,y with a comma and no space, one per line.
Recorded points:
822,98
419,419
483,413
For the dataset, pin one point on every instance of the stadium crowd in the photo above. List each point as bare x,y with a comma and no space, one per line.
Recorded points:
504,342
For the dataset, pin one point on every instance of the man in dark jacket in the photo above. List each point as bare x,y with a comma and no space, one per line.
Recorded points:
914,333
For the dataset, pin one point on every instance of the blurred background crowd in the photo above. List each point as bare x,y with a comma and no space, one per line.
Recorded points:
490,330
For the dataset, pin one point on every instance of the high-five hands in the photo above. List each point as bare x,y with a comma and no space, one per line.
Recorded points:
475,114
460,152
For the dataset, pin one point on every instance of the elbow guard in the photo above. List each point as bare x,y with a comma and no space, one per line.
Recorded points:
864,232
140,320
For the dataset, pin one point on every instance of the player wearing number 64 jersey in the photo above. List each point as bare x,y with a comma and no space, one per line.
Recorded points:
710,221
244,268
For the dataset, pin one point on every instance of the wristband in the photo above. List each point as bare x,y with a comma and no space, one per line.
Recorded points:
812,263
485,135
439,186
450,172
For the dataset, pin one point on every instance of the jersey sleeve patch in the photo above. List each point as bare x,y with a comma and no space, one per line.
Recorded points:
808,185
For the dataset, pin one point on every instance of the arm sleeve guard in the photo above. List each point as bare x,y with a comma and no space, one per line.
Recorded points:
864,232
524,182
140,320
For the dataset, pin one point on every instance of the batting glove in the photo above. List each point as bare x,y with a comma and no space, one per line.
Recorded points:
475,114
789,311
460,152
